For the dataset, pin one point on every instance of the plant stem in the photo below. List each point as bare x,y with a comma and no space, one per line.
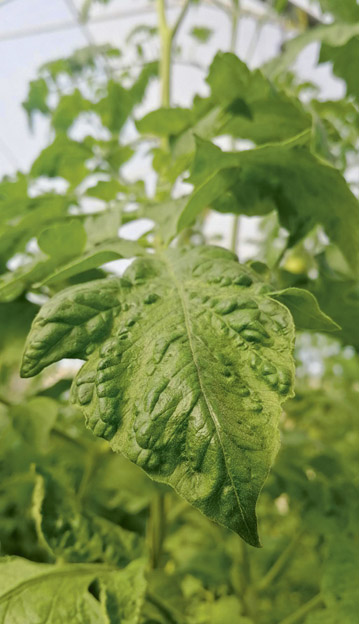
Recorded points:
232,48
303,610
234,26
280,564
235,233
156,529
167,36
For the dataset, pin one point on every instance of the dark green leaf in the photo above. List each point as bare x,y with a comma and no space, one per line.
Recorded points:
75,535
304,189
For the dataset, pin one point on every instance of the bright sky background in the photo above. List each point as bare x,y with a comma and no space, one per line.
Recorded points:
21,55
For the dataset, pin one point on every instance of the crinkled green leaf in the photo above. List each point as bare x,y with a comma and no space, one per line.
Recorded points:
211,353
75,535
51,594
304,189
305,310
63,239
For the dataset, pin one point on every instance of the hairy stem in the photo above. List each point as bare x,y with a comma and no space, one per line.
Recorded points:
303,610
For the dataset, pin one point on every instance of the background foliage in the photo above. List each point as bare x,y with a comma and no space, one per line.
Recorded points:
82,526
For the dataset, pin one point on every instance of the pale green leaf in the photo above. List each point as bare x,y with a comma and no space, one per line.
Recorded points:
34,420
63,239
211,353
105,189
96,256
64,158
165,121
347,10
68,109
305,310
201,33
44,270
336,34
54,594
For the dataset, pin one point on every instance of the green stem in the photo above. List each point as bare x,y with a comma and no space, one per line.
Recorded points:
234,26
303,610
235,233
280,564
167,37
232,48
156,529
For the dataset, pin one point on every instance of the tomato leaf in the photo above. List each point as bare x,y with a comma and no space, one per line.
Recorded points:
188,362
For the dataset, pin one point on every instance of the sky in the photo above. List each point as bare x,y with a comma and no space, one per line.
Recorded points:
21,53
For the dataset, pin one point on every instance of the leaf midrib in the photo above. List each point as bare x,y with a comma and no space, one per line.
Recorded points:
210,410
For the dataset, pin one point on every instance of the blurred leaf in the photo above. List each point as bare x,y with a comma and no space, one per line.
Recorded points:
62,590
63,240
64,158
74,535
345,62
165,121
37,99
336,34
305,310
202,34
304,189
34,420
98,255
68,109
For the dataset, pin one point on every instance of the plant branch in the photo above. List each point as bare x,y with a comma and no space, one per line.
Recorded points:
180,19
156,529
280,564
303,610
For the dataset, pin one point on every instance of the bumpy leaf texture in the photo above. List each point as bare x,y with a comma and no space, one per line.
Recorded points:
188,362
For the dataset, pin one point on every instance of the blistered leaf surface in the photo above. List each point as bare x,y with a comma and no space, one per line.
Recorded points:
188,361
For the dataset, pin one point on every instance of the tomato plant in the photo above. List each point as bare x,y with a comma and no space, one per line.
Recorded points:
212,391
